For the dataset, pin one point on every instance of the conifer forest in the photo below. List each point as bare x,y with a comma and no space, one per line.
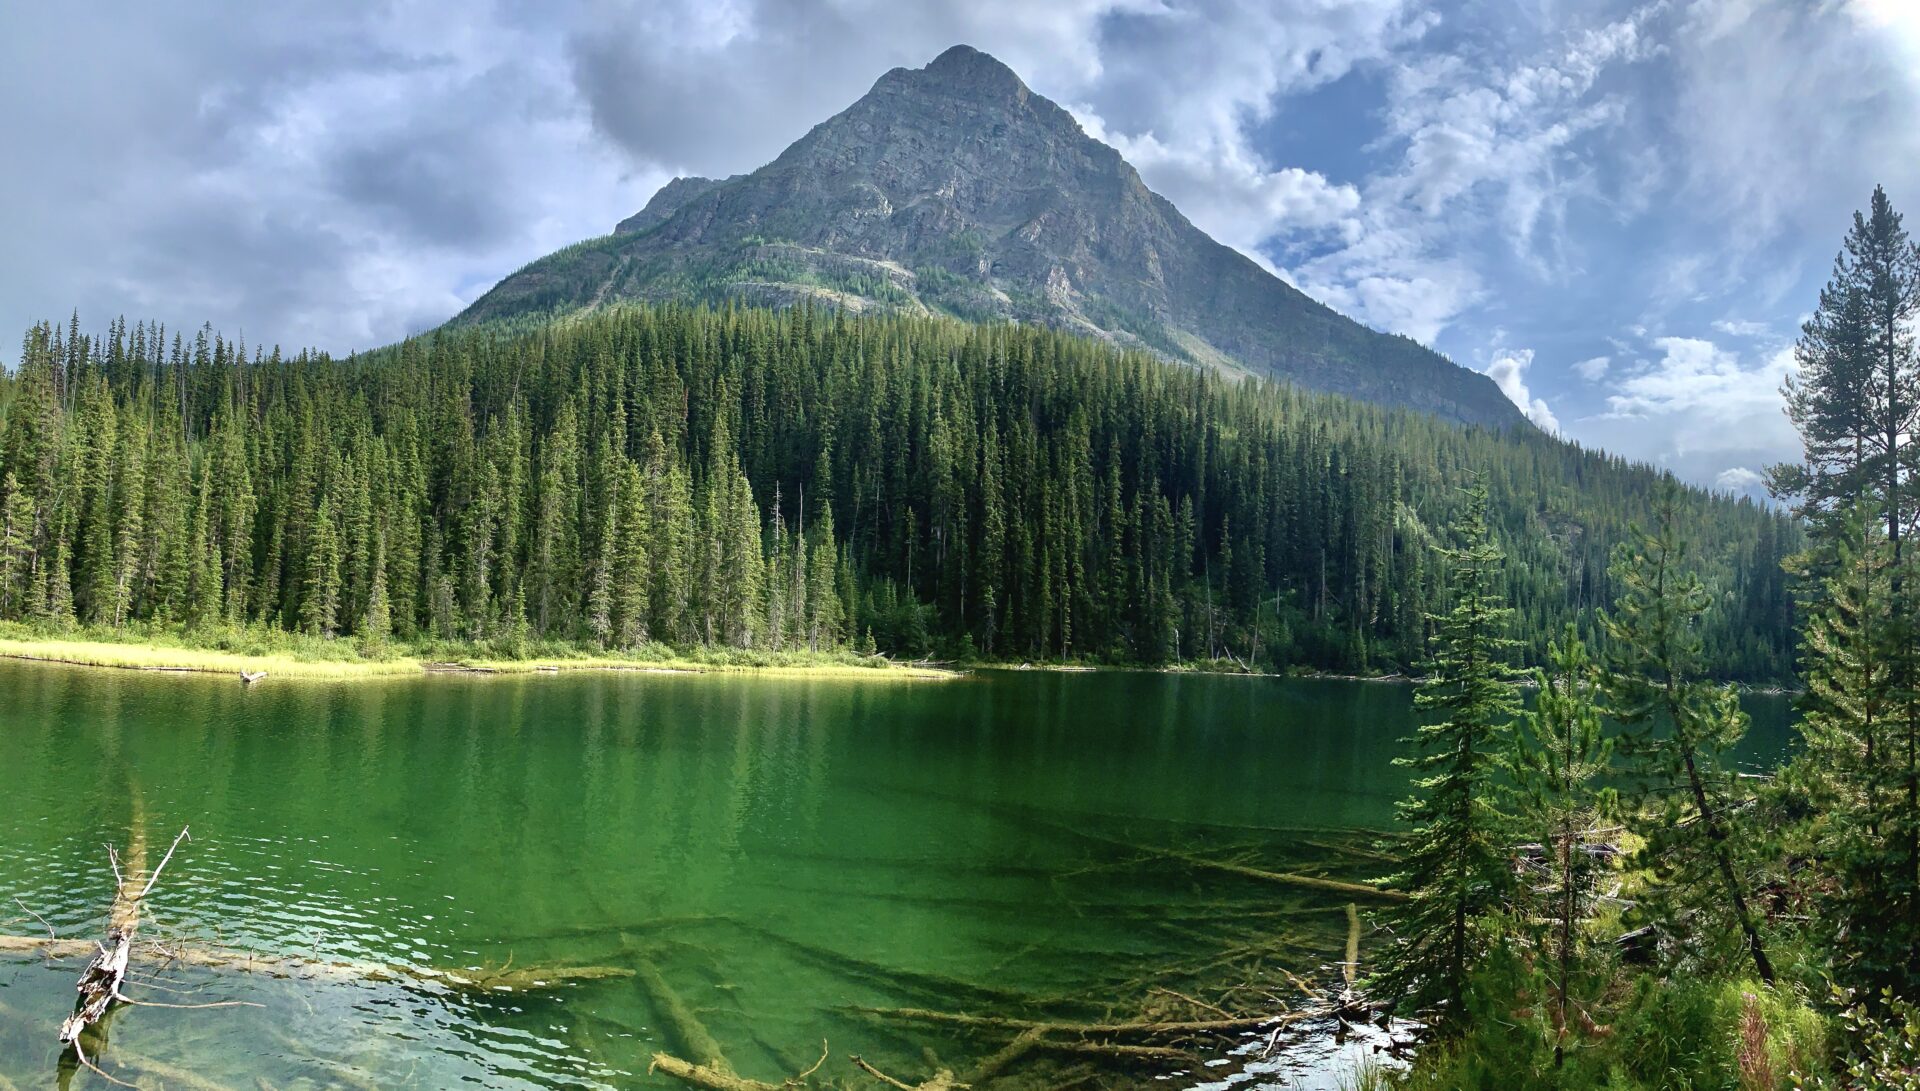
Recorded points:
800,479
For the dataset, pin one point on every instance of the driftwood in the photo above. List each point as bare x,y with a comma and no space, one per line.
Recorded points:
940,1081
724,1079
1137,1029
100,981
248,678
345,971
702,1076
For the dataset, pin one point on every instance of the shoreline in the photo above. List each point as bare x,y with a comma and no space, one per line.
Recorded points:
175,659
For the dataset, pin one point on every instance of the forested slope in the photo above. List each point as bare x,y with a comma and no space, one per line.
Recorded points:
796,478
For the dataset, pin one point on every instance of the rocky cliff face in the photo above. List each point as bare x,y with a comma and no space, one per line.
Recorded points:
955,189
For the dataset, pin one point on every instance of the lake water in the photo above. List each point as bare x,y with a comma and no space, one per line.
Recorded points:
775,854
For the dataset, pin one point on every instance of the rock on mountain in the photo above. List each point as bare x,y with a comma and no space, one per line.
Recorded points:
954,189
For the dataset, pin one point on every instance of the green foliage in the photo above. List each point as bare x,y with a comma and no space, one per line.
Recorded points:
1457,872
1562,754
1683,727
1700,1035
1885,1049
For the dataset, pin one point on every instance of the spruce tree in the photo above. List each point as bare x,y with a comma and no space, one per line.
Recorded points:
1457,868
320,588
1562,753
17,522
632,569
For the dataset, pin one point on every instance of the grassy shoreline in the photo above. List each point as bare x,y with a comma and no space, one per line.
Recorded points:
343,661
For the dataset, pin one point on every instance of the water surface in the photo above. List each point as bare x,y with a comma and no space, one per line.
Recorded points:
781,851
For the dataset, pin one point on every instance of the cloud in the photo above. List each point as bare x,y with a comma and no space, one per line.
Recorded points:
1237,200
1739,479
1485,151
1695,407
1509,370
342,174
1695,375
308,174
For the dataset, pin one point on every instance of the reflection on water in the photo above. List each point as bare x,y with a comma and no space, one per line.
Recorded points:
782,851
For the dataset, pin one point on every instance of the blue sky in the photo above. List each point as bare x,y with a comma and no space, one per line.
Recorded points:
1621,210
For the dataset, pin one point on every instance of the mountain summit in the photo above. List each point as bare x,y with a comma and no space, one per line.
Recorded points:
954,189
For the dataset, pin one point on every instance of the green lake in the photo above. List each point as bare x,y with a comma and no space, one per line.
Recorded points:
779,853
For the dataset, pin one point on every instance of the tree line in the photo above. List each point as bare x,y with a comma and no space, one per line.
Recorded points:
1598,897
798,479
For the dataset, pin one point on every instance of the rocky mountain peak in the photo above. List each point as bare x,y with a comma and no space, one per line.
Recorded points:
954,189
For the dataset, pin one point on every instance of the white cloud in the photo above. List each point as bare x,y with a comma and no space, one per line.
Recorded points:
1738,479
1236,199
1695,375
1696,408
1509,370
1734,327
1485,151
1593,370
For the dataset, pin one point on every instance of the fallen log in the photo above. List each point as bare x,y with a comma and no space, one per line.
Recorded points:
684,1027
522,979
725,1079
1139,1029
100,981
1022,1044
940,1081
702,1076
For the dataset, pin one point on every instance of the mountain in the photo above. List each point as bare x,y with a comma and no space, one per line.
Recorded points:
954,189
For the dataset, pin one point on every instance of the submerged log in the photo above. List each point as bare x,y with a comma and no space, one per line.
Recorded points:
940,1081
702,1076
1137,1029
686,1029
347,971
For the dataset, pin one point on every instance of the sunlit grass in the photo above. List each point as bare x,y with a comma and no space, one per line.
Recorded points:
156,657
291,655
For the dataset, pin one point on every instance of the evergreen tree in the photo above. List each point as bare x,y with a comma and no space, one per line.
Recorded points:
1005,488
1851,790
17,523
377,623
1562,754
632,569
320,589
1685,724
1457,869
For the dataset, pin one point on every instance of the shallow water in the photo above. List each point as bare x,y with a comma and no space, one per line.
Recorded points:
781,851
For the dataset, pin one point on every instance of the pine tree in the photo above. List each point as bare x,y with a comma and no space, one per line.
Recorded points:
129,530
1852,792
1653,682
823,596
1457,870
1561,756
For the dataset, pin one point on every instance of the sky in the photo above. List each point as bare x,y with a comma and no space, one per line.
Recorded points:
1620,210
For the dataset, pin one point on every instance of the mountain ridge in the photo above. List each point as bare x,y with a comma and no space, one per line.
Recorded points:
956,189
